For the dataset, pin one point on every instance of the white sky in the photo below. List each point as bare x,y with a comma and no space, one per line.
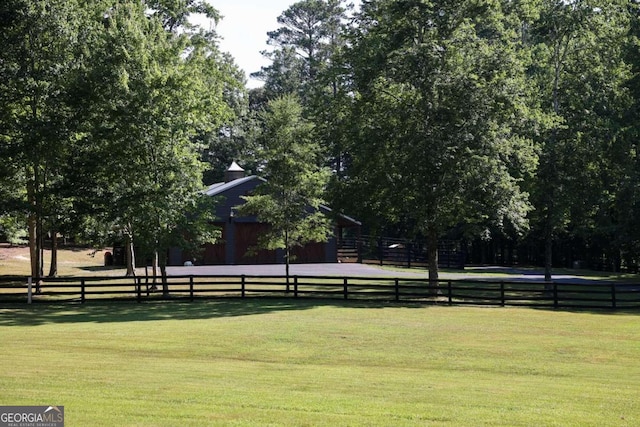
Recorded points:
244,28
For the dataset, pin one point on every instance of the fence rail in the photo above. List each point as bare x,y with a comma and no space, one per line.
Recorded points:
407,290
399,252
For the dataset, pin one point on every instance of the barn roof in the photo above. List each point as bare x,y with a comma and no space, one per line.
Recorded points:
223,187
342,219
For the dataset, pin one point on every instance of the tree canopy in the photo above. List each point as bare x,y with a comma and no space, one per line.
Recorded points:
290,200
510,126
102,105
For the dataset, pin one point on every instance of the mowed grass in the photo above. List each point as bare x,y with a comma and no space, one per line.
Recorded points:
313,363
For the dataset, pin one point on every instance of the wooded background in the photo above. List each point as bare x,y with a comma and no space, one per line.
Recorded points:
509,125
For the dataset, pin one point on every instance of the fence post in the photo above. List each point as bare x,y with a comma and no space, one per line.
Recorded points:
502,298
380,251
450,292
191,288
346,289
139,289
30,290
242,286
408,247
82,291
614,302
397,289
556,303
295,286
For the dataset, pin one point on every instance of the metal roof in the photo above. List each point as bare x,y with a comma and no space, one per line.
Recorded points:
221,187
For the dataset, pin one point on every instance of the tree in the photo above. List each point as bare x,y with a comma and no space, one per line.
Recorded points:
236,139
152,92
37,64
438,97
289,202
174,15
579,70
303,47
305,60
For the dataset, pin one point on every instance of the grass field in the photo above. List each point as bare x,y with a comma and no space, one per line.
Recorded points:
71,261
314,363
284,362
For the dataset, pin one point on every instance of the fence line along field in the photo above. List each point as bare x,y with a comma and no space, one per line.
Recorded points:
503,293
87,280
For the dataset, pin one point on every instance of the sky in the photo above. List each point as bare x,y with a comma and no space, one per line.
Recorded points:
243,30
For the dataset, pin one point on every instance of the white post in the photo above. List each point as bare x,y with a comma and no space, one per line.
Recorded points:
29,290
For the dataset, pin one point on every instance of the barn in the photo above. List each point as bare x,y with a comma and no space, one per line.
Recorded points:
239,234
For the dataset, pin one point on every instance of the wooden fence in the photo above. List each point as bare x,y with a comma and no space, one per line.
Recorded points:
398,252
21,290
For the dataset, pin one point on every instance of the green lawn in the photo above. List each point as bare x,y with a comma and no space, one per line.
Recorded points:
286,362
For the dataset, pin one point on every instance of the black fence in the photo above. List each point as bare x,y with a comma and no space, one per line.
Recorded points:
399,252
21,290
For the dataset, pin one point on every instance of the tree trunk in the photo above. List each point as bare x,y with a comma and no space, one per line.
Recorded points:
33,245
130,256
548,256
286,257
162,259
40,234
32,223
53,268
432,256
154,266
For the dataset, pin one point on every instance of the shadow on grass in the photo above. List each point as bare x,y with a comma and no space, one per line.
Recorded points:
110,312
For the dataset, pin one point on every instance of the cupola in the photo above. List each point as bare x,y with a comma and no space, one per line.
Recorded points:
233,172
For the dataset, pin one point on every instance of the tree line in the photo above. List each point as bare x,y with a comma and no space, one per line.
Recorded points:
484,121
103,111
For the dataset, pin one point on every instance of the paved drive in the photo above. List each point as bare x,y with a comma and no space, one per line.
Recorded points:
368,270
327,269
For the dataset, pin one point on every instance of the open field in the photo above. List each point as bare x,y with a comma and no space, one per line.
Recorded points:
283,362
314,362
71,261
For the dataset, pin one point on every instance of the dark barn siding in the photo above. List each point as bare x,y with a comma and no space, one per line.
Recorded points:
240,234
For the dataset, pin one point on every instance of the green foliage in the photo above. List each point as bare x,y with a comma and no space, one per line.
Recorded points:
304,46
291,198
484,117
439,92
156,91
12,230
101,107
38,63
580,73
